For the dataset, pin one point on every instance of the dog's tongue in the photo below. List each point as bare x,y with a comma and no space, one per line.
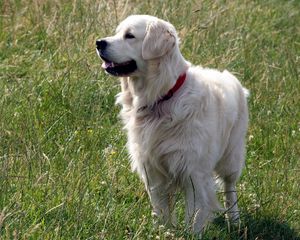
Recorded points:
107,64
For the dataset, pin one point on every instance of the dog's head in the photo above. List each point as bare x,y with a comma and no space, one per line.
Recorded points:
138,39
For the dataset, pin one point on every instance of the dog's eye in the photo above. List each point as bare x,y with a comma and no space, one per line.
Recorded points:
129,36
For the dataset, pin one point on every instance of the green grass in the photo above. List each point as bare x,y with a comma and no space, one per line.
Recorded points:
64,170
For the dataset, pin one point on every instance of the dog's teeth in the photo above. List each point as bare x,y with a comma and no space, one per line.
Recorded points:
112,64
108,64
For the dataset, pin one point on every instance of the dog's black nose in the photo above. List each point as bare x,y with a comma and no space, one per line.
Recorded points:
101,44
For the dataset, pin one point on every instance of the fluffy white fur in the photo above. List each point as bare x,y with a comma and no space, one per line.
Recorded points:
181,143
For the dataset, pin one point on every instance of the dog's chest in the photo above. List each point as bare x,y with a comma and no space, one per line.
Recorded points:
152,122
152,128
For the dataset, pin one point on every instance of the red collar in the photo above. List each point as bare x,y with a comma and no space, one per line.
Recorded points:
179,82
181,79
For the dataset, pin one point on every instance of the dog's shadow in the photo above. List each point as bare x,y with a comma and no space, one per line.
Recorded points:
262,228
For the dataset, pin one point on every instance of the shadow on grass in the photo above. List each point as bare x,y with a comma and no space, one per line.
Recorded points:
262,228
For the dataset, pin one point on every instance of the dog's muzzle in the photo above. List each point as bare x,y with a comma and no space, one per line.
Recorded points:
101,45
114,68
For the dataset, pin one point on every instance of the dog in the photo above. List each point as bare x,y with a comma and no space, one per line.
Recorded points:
185,124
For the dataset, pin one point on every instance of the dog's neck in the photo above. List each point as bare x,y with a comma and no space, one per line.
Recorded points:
160,77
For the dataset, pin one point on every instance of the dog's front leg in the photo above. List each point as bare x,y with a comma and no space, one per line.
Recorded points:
200,200
162,197
163,206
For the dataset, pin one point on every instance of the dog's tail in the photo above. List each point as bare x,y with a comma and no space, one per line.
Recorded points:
231,76
246,92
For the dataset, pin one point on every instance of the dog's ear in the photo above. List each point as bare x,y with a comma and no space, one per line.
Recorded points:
160,38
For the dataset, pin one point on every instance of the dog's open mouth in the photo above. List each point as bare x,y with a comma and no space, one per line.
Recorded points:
119,69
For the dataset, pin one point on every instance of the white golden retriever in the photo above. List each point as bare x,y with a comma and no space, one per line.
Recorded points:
185,124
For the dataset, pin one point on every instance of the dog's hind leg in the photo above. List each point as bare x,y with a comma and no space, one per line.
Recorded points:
229,170
231,200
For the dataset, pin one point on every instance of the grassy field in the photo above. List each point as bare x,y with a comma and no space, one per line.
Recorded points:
64,170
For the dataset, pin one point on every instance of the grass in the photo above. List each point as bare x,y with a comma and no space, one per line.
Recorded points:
64,170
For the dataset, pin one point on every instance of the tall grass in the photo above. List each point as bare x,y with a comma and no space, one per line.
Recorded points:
64,171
